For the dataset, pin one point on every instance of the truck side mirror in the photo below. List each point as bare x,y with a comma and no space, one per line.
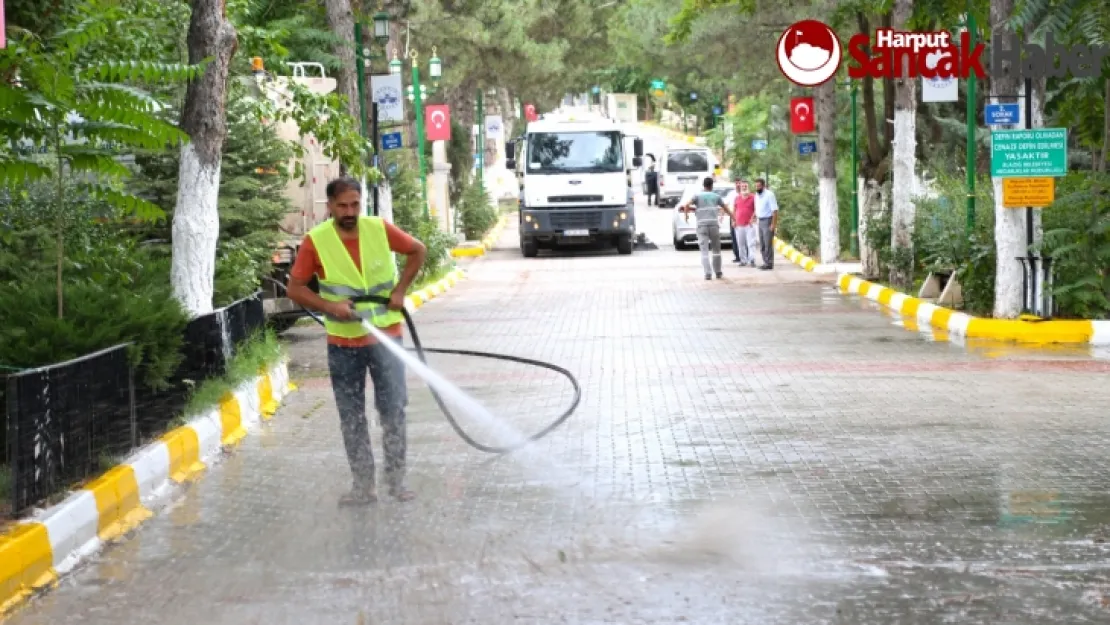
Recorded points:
510,163
637,161
510,151
637,147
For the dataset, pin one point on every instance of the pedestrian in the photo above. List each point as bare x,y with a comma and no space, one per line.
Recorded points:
707,207
743,224
352,255
767,212
651,181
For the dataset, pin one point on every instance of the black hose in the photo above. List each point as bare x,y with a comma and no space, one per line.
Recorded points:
421,350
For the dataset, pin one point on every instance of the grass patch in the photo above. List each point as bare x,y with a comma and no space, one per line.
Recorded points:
420,283
253,356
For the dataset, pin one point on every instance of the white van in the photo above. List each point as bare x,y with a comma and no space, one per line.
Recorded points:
680,167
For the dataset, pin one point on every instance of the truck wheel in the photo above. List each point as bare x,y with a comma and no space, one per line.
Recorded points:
624,244
529,247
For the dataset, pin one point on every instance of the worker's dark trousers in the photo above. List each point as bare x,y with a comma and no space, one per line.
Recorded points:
348,367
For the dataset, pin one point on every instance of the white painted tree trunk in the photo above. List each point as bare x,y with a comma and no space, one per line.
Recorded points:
870,207
903,159
830,220
196,230
1009,224
903,211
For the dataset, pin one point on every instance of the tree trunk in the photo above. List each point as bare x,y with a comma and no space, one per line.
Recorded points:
341,21
1009,224
196,221
828,212
903,164
1103,160
873,164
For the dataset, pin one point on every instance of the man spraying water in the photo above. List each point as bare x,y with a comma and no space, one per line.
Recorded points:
352,256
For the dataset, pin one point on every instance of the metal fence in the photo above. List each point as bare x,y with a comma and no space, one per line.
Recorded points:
70,421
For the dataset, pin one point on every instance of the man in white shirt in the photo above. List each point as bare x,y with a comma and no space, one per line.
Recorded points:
767,212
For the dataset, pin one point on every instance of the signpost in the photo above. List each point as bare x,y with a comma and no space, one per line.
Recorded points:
807,147
1033,192
1002,114
657,87
1029,153
391,141
759,144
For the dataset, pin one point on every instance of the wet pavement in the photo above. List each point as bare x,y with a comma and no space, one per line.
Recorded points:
754,450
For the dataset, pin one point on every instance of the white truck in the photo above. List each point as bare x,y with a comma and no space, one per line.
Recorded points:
575,175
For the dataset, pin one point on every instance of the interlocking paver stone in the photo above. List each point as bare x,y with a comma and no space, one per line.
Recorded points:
755,450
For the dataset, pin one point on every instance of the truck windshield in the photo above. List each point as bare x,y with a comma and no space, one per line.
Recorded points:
687,162
574,152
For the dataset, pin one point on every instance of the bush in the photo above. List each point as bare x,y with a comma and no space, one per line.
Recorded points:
476,211
1077,238
408,214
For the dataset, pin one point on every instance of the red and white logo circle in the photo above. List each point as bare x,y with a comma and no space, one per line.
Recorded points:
808,53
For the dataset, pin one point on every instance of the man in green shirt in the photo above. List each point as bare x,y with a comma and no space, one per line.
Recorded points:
707,207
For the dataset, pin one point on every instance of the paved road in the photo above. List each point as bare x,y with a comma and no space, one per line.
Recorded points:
754,450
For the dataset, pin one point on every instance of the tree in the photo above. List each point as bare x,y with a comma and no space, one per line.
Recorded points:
196,220
341,20
828,209
904,161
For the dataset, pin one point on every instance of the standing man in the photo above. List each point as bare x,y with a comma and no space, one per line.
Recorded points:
707,207
651,181
743,224
767,211
352,255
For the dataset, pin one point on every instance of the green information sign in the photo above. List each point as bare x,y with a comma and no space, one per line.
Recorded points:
1036,153
658,85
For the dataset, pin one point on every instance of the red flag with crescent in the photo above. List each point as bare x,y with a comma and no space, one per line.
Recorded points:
801,116
437,119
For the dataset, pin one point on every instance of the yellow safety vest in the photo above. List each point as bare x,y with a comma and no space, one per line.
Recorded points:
344,281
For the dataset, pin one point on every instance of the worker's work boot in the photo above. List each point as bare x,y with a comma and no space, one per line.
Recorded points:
359,496
397,489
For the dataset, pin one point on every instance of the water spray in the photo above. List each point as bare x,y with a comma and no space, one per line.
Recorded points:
420,351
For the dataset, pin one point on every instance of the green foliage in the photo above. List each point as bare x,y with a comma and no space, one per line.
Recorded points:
253,180
477,213
1077,238
253,355
80,121
408,215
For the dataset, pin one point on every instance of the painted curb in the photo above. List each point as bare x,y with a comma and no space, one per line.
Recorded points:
673,133
417,299
1073,332
36,551
486,243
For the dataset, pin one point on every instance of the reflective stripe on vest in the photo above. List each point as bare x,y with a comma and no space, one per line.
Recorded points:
343,280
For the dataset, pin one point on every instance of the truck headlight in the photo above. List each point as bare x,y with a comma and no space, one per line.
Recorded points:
624,216
527,217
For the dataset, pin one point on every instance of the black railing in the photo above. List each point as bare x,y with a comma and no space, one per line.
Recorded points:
69,421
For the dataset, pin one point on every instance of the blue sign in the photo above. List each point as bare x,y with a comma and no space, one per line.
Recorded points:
693,95
807,147
997,114
716,110
759,144
596,90
391,141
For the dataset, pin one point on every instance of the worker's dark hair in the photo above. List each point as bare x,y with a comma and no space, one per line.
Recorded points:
339,185
707,183
761,181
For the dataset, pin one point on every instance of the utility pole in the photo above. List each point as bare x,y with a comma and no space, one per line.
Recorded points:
854,238
481,143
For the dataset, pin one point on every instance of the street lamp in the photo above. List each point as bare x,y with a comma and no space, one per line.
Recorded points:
417,92
381,27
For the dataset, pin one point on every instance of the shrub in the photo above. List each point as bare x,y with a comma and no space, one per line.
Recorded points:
477,213
408,214
1077,238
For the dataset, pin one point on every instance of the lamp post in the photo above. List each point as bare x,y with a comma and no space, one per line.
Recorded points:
416,93
853,240
381,37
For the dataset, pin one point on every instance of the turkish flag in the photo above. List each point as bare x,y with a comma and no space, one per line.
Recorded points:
530,113
802,120
437,119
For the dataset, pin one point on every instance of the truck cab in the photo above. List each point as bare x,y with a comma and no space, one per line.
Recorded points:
575,175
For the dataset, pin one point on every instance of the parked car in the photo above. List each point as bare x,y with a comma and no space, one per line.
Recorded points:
684,233
682,167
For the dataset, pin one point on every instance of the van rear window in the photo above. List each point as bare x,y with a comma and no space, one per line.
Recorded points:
685,162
